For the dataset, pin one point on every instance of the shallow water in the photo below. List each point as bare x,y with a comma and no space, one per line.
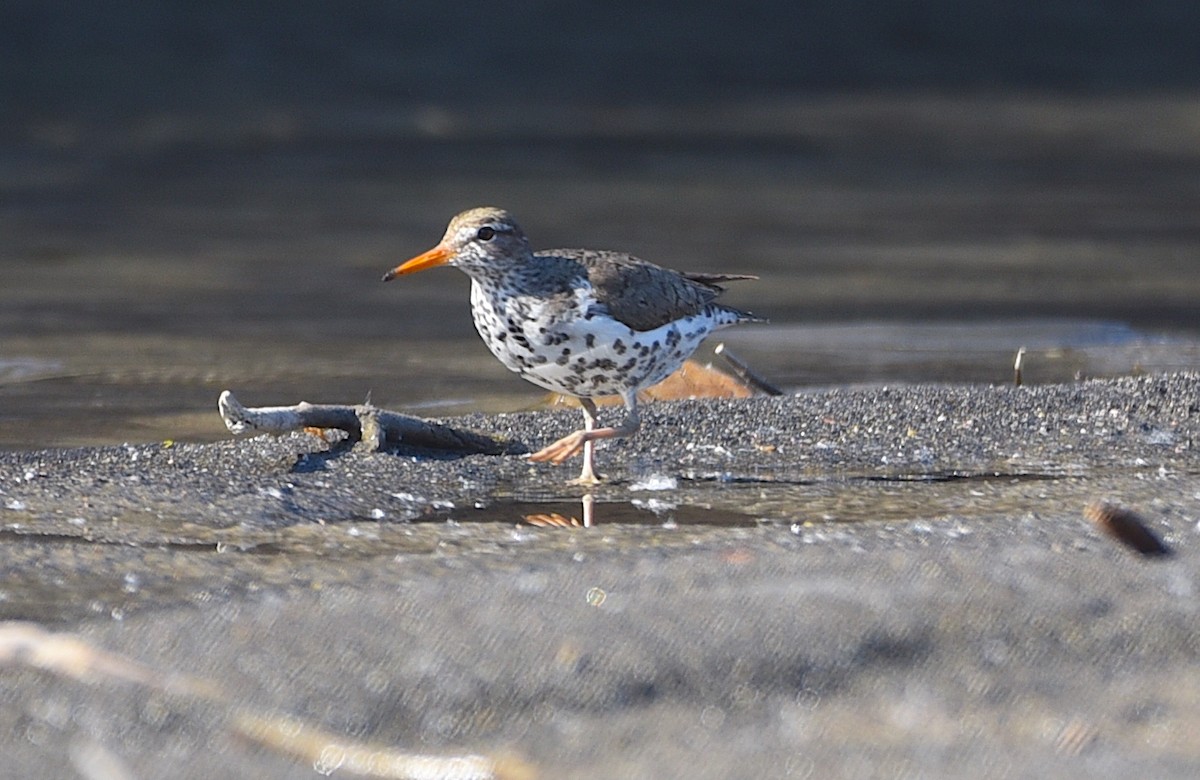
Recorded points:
149,267
65,569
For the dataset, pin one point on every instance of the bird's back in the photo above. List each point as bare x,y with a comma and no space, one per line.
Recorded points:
642,295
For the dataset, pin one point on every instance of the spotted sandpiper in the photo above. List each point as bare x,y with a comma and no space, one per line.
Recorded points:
580,322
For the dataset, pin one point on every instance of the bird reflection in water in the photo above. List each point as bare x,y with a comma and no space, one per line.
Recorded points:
556,520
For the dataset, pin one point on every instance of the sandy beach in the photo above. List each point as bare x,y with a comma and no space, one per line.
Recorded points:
851,582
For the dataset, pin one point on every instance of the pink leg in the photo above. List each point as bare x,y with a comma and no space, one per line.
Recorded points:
584,441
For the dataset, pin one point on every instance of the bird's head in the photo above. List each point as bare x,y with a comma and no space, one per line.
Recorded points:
480,241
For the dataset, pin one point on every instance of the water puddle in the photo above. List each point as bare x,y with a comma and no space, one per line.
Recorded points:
588,511
750,502
71,568
702,503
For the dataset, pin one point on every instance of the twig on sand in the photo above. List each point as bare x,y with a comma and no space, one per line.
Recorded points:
72,657
328,753
745,373
67,655
374,428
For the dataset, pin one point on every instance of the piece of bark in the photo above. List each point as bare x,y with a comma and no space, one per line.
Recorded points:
1125,526
376,428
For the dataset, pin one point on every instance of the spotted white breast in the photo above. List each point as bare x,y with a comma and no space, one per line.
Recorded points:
571,346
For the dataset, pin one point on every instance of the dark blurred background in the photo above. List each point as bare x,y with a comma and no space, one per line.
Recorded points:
93,61
196,196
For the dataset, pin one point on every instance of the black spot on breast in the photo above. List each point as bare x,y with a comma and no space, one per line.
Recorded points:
590,340
618,346
502,336
672,337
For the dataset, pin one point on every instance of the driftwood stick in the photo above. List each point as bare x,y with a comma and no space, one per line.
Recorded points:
284,419
745,373
376,428
373,435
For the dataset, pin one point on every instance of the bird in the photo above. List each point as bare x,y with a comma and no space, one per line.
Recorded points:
581,322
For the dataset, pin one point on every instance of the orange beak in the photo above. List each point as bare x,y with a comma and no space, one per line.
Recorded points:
439,255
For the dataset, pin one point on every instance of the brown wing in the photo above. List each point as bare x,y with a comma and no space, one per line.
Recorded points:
713,280
642,295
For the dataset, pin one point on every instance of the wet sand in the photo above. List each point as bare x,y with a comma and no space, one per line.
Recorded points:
847,582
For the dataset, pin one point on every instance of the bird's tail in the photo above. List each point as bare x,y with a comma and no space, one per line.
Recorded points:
716,280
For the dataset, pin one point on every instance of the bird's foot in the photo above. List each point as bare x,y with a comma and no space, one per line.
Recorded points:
559,451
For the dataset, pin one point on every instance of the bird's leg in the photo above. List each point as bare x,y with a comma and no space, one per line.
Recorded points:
579,441
588,476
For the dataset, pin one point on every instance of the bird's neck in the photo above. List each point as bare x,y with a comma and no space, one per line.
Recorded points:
495,282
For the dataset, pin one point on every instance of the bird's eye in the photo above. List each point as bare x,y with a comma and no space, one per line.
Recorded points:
485,233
